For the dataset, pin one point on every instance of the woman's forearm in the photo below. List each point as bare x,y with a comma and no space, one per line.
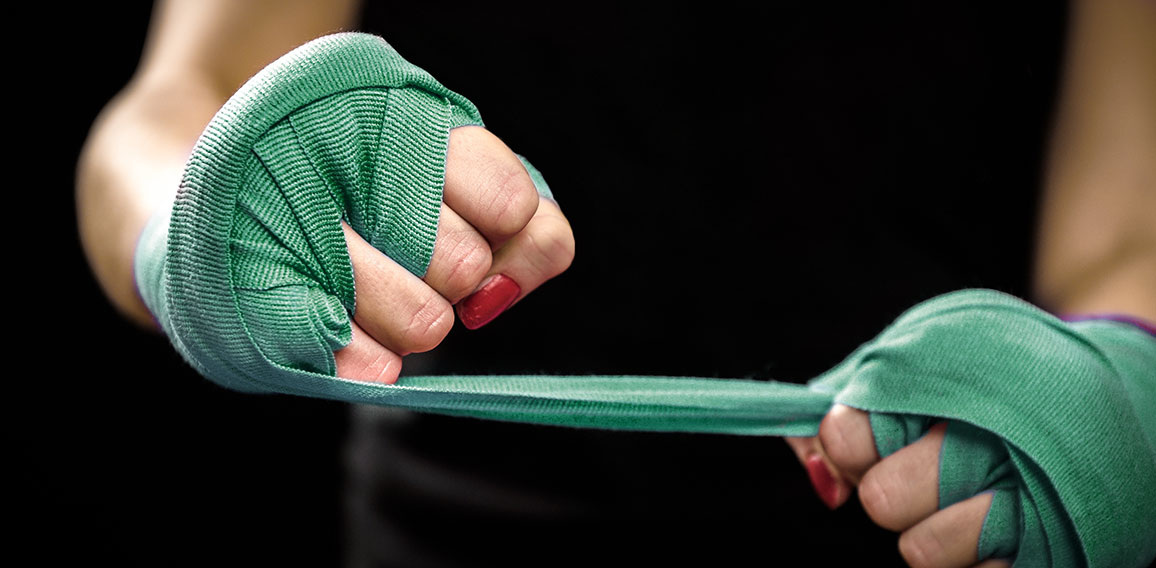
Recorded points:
1097,241
198,53
130,167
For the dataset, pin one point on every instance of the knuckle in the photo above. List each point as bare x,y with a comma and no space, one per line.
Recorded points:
842,437
470,260
379,369
833,436
919,549
428,325
877,501
550,248
512,198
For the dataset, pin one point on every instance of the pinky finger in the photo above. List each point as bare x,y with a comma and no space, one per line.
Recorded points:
541,251
364,359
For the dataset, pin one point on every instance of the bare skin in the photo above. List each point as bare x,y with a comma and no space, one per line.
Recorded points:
1096,254
198,54
1097,240
492,222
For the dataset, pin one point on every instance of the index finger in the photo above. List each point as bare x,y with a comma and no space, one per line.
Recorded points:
487,185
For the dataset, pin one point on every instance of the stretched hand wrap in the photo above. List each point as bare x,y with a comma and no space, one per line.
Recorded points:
250,278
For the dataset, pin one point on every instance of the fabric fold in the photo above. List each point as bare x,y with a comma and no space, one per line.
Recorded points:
249,277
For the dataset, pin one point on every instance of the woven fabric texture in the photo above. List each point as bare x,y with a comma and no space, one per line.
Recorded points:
249,276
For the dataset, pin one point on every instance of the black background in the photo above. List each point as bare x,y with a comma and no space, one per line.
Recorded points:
754,193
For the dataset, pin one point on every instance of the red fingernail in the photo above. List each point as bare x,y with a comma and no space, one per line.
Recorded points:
823,481
483,306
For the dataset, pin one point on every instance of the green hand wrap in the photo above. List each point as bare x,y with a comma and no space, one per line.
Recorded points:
1058,418
250,278
256,280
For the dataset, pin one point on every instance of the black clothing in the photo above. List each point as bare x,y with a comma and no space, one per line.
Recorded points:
753,194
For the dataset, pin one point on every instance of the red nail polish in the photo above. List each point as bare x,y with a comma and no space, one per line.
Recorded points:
483,306
823,481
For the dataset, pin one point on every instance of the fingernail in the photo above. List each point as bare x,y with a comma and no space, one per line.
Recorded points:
491,299
824,482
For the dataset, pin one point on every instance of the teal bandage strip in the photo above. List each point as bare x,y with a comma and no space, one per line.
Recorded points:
254,237
1045,392
250,278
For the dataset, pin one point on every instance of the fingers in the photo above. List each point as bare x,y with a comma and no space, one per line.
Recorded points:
366,360
394,307
949,538
461,257
838,457
831,488
903,489
541,251
490,204
488,188
487,185
900,493
896,492
846,438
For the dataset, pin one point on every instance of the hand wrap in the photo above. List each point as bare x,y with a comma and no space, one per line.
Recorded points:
250,275
250,278
1058,419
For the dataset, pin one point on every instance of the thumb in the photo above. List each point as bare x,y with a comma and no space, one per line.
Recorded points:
829,485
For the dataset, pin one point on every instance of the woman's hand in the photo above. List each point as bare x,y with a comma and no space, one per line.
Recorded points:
899,493
497,241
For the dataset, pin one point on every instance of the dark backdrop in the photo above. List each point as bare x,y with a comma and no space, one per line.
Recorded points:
754,193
